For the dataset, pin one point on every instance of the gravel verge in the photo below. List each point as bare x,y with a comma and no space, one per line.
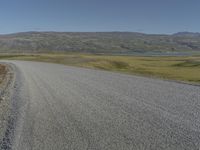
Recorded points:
5,107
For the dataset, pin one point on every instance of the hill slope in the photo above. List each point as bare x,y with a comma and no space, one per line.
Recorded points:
99,42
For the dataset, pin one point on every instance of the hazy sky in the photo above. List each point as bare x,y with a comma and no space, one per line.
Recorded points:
149,16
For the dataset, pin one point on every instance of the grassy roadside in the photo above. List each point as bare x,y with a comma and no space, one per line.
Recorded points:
182,68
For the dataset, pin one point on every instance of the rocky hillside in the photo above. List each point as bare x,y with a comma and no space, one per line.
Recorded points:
100,42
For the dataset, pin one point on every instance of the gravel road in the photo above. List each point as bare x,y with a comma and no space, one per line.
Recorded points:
65,108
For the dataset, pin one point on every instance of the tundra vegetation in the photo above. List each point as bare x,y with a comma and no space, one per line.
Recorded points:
176,56
181,68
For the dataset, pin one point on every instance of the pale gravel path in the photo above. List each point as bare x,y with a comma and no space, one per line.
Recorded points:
61,108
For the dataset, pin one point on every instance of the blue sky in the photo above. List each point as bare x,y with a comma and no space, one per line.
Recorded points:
148,16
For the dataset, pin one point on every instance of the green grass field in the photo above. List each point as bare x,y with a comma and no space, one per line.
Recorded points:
180,68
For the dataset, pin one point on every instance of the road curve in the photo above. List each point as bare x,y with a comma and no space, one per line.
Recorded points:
61,108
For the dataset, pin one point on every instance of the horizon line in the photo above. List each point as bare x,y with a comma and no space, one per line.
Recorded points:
29,31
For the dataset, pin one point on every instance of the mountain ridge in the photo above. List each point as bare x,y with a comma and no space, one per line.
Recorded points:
99,42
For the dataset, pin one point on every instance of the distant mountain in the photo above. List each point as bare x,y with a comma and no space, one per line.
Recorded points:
99,42
191,34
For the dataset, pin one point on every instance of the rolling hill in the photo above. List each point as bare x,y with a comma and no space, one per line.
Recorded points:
100,42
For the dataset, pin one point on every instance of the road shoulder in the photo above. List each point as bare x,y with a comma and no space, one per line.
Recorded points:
5,106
